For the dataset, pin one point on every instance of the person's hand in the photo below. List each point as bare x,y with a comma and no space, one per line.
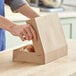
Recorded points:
25,32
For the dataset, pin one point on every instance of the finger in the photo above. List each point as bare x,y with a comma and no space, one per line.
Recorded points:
33,33
25,35
29,33
22,36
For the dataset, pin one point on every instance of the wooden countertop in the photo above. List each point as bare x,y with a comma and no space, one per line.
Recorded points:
64,66
19,17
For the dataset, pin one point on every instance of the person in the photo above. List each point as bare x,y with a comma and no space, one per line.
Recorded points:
25,32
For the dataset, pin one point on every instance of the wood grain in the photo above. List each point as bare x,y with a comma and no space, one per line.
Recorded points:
50,44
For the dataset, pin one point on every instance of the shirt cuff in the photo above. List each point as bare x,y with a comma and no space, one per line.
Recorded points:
15,4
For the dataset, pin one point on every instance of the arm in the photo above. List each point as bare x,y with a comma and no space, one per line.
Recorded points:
22,31
26,10
5,24
22,7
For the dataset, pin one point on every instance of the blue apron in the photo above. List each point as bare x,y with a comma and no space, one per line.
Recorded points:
2,32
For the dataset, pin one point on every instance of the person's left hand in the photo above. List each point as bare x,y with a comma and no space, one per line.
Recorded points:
25,32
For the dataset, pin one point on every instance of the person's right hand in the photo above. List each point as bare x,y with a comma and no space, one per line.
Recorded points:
25,32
